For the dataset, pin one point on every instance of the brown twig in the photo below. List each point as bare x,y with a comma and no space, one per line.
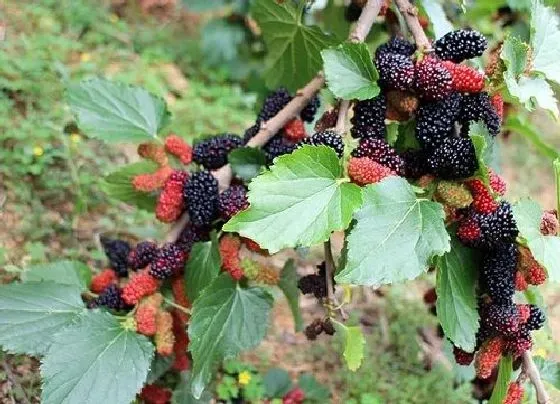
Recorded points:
531,371
410,14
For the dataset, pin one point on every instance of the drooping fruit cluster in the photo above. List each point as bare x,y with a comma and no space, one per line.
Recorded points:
212,152
317,327
315,284
117,253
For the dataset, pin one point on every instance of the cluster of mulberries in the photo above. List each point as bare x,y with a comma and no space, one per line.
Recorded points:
212,152
232,201
201,197
317,327
315,284
443,95
168,260
328,138
171,204
117,254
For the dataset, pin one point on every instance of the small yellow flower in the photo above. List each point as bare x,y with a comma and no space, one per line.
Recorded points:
85,57
38,151
541,352
244,378
75,137
114,18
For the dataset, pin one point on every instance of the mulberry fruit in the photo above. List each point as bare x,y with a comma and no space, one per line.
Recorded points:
308,112
465,78
201,194
267,276
379,151
192,234
117,253
435,121
164,338
433,80
369,118
314,329
460,45
254,246
514,394
519,343
151,181
153,394
494,229
154,152
169,260
469,231
139,285
111,297
327,120
327,138
477,107
536,318
145,317
294,130
212,152
497,183
501,318
141,256
180,295
549,223
396,71
294,396
229,251
181,360
520,282
250,133
363,171
498,103
414,165
277,146
103,280
273,104
396,45
483,201
455,158
170,204
314,283
488,357
232,201
454,194
462,357
498,272
177,146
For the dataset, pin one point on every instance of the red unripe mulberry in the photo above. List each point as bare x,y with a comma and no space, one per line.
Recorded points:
463,358
549,223
146,314
177,146
465,78
253,246
520,281
181,361
363,171
102,280
514,394
433,80
498,103
164,333
180,296
152,181
170,204
139,285
152,394
229,251
468,231
497,183
534,273
483,201
488,357
294,130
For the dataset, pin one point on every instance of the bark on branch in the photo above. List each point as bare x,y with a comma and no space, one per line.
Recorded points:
531,371
410,15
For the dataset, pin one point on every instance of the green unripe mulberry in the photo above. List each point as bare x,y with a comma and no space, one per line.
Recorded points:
454,194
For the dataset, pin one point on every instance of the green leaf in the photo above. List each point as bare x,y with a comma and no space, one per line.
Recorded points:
354,342
504,376
183,392
95,361
288,284
116,112
457,272
314,391
520,124
203,5
202,267
277,383
118,185
440,23
545,41
545,249
480,138
160,365
226,319
350,72
549,370
220,41
533,92
330,16
300,201
515,55
30,313
292,46
246,162
62,272
395,236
